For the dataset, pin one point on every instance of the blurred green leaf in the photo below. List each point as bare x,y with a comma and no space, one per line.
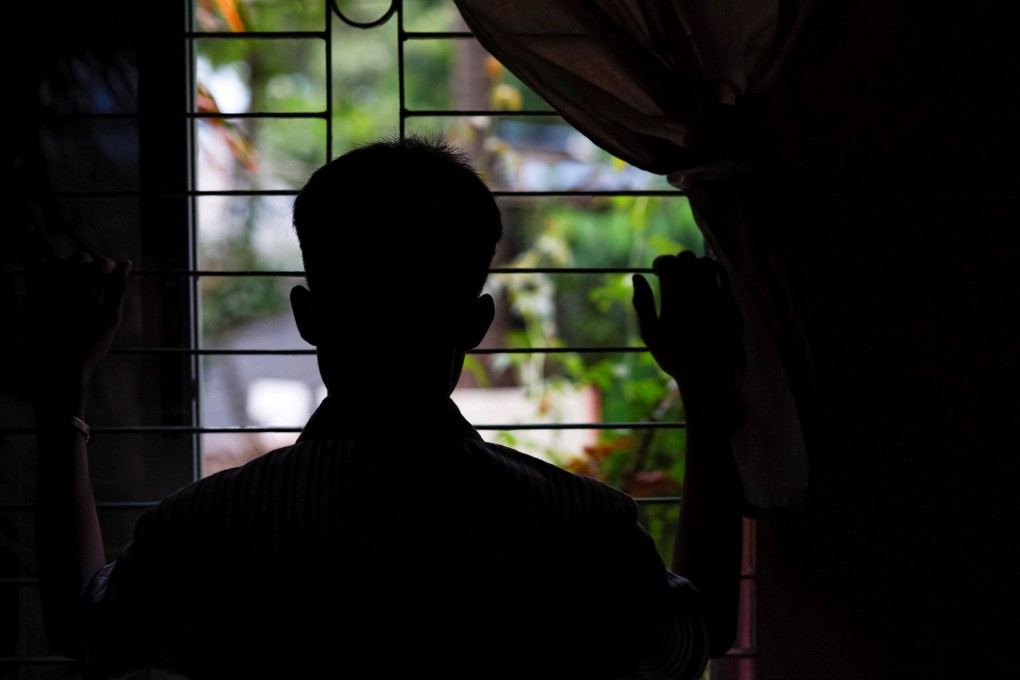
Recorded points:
477,370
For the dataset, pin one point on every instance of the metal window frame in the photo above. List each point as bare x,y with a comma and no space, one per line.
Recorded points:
168,200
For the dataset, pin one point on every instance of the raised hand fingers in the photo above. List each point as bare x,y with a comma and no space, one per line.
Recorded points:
113,298
696,335
644,306
656,338
677,275
81,296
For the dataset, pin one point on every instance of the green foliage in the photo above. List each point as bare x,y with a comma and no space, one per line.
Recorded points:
476,369
229,301
593,310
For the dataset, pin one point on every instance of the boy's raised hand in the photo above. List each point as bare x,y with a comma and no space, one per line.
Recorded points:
696,337
74,311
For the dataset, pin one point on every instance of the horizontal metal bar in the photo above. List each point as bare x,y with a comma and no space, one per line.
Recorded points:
165,429
36,661
198,273
145,505
657,500
257,114
107,505
256,35
31,581
447,113
428,35
23,116
259,429
571,270
501,193
613,349
166,194
740,654
190,351
436,35
193,352
565,193
34,583
238,192
92,115
517,34
295,274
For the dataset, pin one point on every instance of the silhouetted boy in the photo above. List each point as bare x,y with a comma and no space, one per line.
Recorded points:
391,541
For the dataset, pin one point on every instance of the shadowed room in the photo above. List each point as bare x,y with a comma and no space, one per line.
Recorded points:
852,166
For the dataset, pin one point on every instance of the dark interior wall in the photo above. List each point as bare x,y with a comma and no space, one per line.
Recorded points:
93,157
889,211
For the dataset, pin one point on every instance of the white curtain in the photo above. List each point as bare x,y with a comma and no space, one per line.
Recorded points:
680,88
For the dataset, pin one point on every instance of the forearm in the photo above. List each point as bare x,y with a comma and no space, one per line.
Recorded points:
698,340
69,544
708,541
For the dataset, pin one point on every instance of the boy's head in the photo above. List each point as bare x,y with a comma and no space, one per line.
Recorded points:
407,214
397,238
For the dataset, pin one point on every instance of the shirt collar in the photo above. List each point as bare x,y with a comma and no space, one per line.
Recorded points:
338,418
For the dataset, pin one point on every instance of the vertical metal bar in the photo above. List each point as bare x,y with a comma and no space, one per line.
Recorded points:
194,289
329,81
165,210
401,38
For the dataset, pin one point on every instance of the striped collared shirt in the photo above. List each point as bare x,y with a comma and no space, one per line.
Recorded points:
363,551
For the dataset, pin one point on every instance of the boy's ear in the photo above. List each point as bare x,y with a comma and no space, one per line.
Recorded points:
306,316
477,322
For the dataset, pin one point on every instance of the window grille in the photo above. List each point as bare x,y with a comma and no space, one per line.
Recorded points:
171,199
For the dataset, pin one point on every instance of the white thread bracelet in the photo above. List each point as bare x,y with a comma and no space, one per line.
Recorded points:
83,427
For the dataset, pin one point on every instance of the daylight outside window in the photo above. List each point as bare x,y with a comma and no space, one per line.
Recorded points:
561,375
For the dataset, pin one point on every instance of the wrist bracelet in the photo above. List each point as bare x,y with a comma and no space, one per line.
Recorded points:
83,427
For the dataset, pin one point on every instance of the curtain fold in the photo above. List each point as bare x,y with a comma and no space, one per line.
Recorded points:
678,88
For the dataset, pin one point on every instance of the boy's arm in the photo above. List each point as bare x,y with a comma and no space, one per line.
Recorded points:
696,339
708,542
69,545
74,312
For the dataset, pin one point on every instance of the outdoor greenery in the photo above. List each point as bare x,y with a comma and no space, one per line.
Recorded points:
592,310
548,310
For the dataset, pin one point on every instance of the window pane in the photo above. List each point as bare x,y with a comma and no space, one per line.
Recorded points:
540,153
595,231
259,154
246,232
236,76
363,11
432,15
236,16
366,102
261,390
232,303
459,73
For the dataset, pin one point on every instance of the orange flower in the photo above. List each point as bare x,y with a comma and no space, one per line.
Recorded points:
603,450
493,68
652,483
